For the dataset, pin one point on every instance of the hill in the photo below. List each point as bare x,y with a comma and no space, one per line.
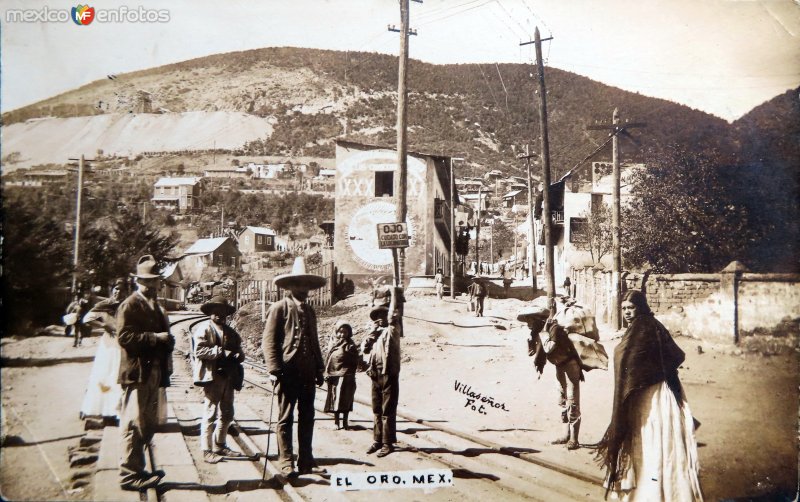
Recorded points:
485,113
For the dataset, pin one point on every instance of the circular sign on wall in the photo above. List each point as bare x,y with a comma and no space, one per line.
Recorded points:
362,234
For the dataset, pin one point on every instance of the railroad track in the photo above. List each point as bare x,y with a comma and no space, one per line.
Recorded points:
481,470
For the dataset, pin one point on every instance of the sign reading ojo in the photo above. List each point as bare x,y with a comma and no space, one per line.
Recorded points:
392,235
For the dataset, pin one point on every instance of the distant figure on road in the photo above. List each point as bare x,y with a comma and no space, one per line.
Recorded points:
438,279
341,362
567,286
217,368
80,306
477,295
103,392
649,450
145,367
383,347
292,354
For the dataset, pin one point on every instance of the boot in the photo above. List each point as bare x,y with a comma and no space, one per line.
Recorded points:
563,439
345,425
575,428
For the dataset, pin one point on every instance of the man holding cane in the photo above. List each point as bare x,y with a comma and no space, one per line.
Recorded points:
293,356
145,366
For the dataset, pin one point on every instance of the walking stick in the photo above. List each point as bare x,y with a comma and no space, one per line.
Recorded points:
269,429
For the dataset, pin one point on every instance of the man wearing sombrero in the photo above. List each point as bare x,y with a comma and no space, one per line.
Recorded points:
217,368
145,366
292,355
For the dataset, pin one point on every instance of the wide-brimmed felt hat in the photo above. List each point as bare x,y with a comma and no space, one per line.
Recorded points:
146,268
534,312
379,312
342,323
299,278
218,304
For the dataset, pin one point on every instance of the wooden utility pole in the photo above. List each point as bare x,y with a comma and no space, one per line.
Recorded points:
532,242
453,228
616,228
77,243
402,161
547,217
478,235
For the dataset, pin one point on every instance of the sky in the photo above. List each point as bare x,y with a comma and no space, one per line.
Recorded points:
723,57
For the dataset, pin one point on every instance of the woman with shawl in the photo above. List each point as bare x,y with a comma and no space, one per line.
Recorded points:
649,449
103,393
341,361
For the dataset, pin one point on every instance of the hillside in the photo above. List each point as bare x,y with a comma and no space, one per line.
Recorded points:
312,96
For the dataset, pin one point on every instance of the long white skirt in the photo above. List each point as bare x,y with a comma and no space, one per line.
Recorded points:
661,464
103,393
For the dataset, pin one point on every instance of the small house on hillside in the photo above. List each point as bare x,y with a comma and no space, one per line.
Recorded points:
181,194
477,201
257,239
172,293
513,198
219,254
227,172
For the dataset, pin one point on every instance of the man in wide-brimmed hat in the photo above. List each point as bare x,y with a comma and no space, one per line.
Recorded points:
145,366
217,368
383,347
292,354
477,294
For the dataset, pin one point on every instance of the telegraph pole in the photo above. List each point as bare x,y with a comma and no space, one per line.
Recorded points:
547,216
616,228
77,244
402,162
532,243
453,228
478,235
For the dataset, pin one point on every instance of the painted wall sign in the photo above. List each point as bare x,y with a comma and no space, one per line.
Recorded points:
363,239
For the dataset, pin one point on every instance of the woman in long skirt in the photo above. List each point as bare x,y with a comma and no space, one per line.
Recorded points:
103,393
341,362
649,449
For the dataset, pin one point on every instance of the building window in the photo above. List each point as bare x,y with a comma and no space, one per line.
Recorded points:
384,183
247,239
259,239
233,261
269,241
578,230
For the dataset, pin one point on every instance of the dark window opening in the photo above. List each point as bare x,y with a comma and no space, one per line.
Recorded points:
384,183
578,230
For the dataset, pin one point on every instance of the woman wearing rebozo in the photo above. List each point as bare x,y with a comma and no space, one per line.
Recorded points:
649,450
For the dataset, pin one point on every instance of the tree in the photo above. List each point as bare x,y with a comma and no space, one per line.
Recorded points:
683,215
596,238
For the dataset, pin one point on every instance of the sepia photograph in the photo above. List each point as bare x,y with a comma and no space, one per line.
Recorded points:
451,250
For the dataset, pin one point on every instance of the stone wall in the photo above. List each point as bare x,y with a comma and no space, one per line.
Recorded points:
718,308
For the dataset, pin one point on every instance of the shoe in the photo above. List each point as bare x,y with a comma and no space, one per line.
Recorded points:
210,457
563,440
289,472
387,449
375,447
227,453
572,445
313,469
141,484
158,472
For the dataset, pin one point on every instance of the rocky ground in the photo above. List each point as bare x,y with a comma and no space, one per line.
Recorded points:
747,401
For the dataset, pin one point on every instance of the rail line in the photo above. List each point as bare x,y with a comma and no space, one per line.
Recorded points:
511,474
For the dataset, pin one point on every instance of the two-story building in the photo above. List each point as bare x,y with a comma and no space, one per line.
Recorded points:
366,181
180,194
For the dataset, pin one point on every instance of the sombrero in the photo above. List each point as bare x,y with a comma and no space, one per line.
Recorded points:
298,278
146,267
533,312
217,303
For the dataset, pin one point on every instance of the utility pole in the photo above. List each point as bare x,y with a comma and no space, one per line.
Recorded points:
547,216
616,228
453,228
534,263
402,161
77,244
478,235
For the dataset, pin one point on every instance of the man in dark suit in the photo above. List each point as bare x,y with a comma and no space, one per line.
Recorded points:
292,355
145,366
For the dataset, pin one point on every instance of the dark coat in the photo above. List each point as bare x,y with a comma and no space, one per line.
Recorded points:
137,325
342,358
282,333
